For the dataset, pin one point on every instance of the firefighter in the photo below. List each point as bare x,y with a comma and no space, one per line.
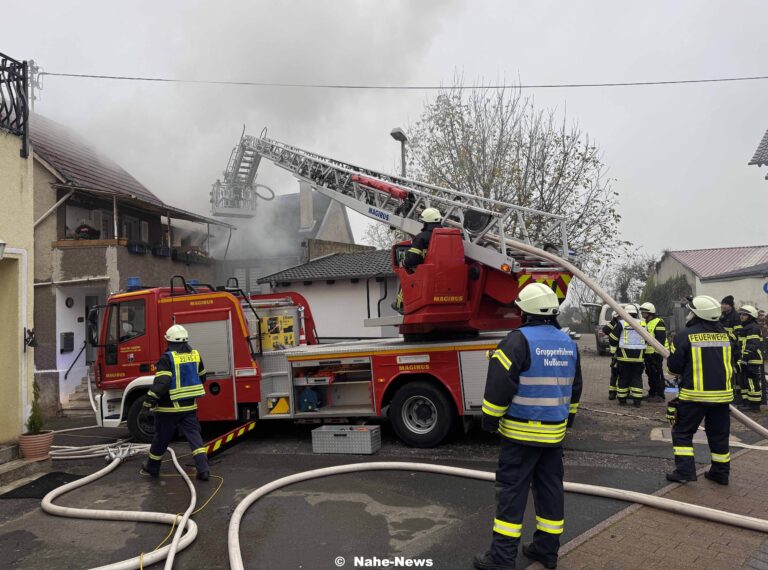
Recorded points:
178,383
432,219
531,395
729,318
750,358
629,348
701,355
653,360
614,380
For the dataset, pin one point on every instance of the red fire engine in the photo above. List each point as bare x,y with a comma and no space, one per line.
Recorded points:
261,351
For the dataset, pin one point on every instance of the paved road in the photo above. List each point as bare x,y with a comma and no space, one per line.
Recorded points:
308,525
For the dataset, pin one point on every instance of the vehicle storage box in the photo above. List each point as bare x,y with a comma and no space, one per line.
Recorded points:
346,439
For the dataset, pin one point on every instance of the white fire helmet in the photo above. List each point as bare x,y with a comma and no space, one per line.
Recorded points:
431,215
631,309
177,333
705,307
538,299
648,308
748,310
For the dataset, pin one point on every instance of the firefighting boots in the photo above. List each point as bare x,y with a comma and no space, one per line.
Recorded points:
719,479
546,560
678,477
485,562
147,470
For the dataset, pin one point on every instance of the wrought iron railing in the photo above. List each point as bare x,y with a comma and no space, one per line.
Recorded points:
14,104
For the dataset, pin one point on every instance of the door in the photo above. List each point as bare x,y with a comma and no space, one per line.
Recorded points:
213,340
90,351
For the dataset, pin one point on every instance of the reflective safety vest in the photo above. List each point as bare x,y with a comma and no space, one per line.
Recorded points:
539,411
653,324
631,344
711,369
185,381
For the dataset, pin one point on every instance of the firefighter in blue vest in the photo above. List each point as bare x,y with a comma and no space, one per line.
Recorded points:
531,395
178,383
701,355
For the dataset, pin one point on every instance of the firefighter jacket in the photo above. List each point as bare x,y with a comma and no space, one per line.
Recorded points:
418,250
658,330
730,322
178,380
749,341
533,386
626,343
701,355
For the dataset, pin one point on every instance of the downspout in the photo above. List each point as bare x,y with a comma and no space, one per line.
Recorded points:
23,384
53,209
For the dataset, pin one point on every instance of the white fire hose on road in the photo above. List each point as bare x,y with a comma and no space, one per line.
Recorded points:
118,453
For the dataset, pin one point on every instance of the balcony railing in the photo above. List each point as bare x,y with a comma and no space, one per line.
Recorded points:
14,104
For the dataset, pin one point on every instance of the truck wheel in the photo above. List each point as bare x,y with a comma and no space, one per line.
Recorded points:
421,414
141,422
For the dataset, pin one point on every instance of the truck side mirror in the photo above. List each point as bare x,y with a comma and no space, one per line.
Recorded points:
93,327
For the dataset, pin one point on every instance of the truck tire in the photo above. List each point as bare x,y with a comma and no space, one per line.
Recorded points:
141,422
421,414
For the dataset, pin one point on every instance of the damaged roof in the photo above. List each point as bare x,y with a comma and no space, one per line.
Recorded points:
84,168
360,264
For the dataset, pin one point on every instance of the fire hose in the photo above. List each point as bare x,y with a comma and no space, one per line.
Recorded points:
186,529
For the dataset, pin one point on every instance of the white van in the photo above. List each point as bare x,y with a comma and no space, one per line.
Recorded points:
601,339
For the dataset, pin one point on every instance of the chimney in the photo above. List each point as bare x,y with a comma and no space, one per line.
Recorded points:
306,213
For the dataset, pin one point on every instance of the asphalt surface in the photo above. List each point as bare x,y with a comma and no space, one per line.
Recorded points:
379,515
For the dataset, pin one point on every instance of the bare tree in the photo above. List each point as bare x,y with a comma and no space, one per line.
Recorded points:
494,143
381,236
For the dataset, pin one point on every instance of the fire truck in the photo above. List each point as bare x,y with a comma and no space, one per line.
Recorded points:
262,354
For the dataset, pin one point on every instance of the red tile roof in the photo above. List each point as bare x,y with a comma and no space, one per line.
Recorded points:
709,262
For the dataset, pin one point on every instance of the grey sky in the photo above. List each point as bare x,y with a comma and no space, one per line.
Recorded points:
678,153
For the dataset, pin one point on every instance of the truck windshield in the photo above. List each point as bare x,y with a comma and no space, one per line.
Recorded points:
126,321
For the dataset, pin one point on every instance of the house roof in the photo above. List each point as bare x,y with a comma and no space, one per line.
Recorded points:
711,262
761,154
83,167
359,264
759,270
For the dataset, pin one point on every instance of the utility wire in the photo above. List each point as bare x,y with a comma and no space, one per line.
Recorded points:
403,87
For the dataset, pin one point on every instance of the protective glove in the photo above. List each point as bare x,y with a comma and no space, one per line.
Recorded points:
672,411
489,424
571,418
150,403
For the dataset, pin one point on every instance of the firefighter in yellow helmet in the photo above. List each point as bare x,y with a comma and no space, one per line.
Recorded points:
432,219
749,358
531,395
701,355
173,397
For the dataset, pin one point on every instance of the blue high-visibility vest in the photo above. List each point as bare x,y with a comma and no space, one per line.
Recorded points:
185,381
545,388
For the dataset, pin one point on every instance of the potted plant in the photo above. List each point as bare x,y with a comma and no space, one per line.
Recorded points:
35,445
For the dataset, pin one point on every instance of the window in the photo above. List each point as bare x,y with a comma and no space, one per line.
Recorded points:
127,320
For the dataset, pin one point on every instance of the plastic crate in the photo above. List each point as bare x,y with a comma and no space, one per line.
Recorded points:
346,439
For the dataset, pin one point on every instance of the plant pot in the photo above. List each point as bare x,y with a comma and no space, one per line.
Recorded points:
36,447
161,251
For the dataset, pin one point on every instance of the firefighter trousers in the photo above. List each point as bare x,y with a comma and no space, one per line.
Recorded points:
630,380
653,368
521,468
614,381
717,425
751,383
166,425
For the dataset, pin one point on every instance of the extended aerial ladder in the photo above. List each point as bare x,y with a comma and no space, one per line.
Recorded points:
482,229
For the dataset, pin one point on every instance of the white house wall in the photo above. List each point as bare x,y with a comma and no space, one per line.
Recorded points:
745,291
340,308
